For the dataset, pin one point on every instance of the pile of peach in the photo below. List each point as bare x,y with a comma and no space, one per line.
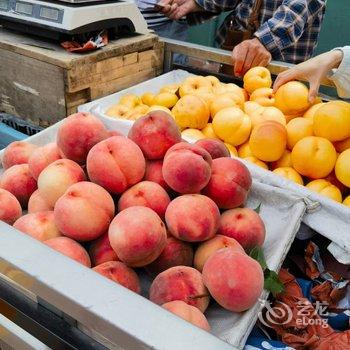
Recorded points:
283,132
147,201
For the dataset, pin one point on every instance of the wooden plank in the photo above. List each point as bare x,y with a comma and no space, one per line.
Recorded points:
53,53
130,58
121,83
31,89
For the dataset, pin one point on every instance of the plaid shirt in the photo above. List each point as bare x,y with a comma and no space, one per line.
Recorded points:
289,28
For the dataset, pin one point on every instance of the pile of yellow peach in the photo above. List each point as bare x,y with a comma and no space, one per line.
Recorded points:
305,143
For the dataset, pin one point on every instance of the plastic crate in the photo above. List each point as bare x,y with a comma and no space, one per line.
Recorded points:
15,129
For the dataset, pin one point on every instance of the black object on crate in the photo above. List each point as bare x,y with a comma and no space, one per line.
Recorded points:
19,124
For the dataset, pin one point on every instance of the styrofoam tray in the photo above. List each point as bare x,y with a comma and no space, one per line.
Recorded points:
281,212
325,216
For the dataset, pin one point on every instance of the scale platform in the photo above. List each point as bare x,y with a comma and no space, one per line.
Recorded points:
63,19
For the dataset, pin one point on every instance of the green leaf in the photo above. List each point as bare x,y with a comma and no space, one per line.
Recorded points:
257,209
258,254
272,283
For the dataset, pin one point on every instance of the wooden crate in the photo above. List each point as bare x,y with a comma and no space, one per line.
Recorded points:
42,83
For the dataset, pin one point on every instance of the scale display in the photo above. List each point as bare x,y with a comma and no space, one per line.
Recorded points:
32,9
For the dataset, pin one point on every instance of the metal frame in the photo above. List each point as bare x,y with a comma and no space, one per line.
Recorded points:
105,310
214,55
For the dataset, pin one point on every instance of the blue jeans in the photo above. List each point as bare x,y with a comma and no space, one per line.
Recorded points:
177,30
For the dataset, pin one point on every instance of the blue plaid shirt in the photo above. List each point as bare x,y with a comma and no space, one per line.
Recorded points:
289,29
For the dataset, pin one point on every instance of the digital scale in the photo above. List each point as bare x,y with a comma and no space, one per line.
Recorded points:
67,18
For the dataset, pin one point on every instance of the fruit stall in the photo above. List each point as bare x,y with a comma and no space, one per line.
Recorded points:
155,204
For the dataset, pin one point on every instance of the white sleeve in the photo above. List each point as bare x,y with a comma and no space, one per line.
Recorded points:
341,76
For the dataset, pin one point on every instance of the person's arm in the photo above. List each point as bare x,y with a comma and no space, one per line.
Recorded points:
341,76
288,23
315,70
176,9
282,30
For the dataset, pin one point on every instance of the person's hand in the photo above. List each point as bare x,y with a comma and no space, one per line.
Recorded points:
313,71
176,9
248,54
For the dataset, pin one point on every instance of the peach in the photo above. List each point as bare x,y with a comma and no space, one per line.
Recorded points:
175,253
42,157
292,98
346,201
186,168
257,162
10,209
284,161
229,183
341,146
208,132
101,251
244,225
232,150
78,134
116,164
166,99
290,174
17,152
233,279
180,283
267,113
268,141
342,168
118,272
187,312
155,133
332,178
263,96
118,111
138,235
54,180
250,107
192,134
70,248
174,88
154,173
297,129
310,113
314,157
232,125
233,91
130,101
191,111
220,102
214,81
256,78
40,226
208,248
194,84
19,182
332,121
147,98
325,188
37,203
147,194
244,150
215,148
192,217
84,211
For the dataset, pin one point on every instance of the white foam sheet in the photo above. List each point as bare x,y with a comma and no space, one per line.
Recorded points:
327,217
281,211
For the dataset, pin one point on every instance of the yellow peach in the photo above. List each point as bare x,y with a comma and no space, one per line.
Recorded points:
314,157
290,174
297,129
166,99
268,141
232,125
194,134
244,150
208,132
325,188
255,78
284,161
264,96
232,150
257,162
310,113
220,102
332,121
342,168
267,113
346,201
147,98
